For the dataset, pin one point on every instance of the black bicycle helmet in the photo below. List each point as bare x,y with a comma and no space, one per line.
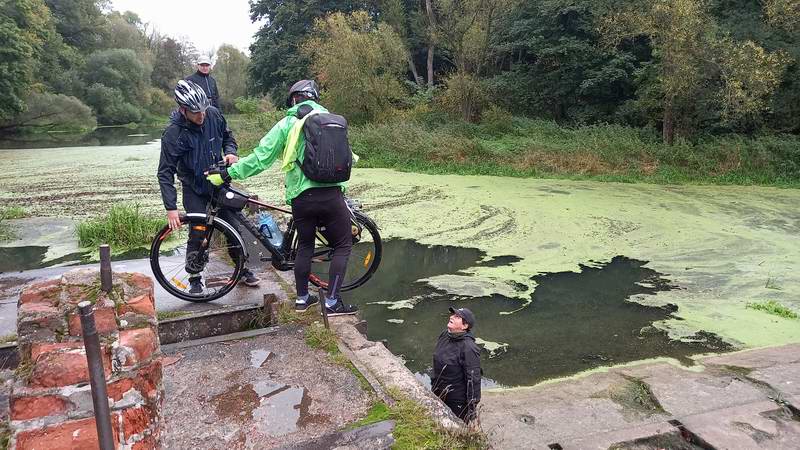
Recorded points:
191,96
308,88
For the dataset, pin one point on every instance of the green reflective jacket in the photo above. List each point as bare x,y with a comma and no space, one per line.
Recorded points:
272,147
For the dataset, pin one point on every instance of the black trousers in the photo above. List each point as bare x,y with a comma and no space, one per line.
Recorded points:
321,207
194,203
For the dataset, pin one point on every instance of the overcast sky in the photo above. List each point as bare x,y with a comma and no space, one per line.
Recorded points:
208,24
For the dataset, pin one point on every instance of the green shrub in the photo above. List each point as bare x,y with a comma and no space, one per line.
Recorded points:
124,227
246,105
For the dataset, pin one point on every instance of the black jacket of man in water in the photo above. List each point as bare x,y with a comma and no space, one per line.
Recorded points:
456,377
190,149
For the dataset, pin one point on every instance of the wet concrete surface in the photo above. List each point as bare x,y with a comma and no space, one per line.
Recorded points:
230,395
728,401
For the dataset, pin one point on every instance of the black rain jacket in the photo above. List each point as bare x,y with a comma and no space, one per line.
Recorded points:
209,85
456,377
189,150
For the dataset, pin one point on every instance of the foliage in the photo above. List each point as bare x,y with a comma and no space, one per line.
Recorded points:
25,26
159,102
79,22
465,96
247,105
277,61
8,213
230,71
124,227
357,63
317,336
53,110
698,66
172,61
110,105
783,13
774,308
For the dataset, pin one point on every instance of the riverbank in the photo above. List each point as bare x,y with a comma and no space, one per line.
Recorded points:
527,148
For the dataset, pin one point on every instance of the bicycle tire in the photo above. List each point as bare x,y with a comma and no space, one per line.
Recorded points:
172,280
364,223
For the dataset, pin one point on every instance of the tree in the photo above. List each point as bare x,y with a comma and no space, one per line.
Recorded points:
50,110
551,66
117,82
358,63
276,60
230,71
25,26
79,22
110,106
695,61
783,13
172,61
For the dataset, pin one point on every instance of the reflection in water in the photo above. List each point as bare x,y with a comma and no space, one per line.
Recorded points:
576,321
101,136
17,259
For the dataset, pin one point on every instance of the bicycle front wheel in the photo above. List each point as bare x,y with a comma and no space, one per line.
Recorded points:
190,273
364,257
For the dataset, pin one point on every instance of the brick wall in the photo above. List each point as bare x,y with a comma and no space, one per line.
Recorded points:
51,401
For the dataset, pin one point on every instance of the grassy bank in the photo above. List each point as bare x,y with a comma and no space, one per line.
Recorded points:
520,147
124,227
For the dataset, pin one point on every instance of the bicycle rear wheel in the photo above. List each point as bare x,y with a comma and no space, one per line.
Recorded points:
364,258
202,276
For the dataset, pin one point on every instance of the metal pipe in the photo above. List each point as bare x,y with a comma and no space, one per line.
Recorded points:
97,377
105,268
324,307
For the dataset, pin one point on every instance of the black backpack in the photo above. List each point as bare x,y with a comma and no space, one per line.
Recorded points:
327,155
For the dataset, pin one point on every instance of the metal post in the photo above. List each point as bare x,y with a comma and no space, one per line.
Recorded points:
105,268
97,377
324,308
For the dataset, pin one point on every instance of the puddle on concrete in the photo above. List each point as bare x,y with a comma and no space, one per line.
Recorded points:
576,321
276,409
259,357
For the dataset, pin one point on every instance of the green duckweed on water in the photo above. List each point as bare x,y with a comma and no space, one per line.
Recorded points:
721,246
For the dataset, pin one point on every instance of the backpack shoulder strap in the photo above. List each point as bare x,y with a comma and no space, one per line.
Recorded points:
303,111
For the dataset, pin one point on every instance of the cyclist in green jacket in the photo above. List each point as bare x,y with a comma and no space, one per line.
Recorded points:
313,204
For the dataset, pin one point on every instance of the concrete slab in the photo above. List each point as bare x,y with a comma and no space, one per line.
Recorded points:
682,392
553,413
778,367
604,441
761,425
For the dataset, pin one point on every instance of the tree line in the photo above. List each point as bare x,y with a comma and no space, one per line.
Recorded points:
686,68
76,63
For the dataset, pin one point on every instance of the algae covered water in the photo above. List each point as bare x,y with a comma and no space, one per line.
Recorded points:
575,320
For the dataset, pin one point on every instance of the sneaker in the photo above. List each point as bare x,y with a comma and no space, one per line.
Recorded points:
341,309
195,285
310,301
249,278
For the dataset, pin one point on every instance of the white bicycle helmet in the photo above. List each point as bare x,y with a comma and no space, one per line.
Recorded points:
191,96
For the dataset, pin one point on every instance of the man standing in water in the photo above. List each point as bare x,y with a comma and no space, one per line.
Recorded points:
457,366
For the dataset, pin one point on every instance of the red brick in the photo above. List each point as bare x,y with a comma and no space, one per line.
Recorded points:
44,292
39,309
117,389
142,282
148,379
142,304
72,435
41,348
135,421
143,342
148,443
105,320
24,408
63,368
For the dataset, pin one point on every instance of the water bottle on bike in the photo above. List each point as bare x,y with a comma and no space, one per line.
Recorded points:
269,228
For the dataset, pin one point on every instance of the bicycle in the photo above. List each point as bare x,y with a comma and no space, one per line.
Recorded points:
223,252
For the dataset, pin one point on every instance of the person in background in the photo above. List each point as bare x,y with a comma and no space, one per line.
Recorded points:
456,376
204,79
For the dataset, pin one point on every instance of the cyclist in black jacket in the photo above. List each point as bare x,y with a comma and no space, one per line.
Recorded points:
456,374
196,138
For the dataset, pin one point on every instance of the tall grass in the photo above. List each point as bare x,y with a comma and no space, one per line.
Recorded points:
503,145
8,213
125,227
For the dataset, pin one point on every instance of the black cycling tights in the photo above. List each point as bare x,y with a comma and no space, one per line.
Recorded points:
321,207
